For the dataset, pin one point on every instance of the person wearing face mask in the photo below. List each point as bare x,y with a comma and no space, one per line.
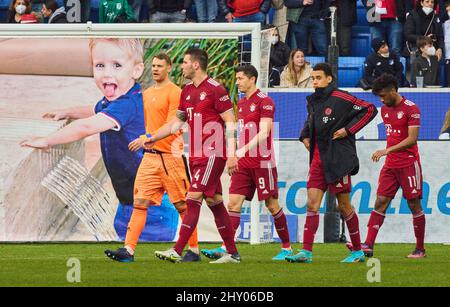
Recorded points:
17,9
426,65
423,21
446,28
379,62
298,72
279,58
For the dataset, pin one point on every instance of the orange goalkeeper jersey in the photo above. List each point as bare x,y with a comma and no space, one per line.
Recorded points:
160,107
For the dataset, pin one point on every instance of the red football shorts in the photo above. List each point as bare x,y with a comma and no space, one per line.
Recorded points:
205,177
408,178
316,180
246,180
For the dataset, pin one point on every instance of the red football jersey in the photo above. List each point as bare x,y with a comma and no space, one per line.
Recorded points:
250,112
203,106
397,120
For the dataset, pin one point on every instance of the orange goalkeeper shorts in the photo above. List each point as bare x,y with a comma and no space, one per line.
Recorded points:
159,173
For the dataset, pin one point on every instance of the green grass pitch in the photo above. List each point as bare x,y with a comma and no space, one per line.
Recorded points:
46,265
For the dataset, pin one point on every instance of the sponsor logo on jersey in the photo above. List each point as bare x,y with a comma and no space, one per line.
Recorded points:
387,115
357,107
224,98
195,186
339,185
240,110
188,97
265,192
400,114
409,103
328,111
202,96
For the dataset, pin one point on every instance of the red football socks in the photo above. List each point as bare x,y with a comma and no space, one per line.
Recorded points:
353,228
189,224
375,221
309,232
224,227
282,229
419,229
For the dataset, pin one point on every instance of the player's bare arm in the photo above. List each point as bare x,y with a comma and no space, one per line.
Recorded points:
137,144
230,134
73,132
265,126
70,113
411,140
168,129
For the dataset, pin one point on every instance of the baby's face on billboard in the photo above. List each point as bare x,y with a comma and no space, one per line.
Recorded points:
115,70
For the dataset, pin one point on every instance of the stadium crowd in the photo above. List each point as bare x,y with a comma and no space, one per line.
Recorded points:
397,29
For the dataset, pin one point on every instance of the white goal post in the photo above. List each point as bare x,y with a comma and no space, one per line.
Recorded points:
153,30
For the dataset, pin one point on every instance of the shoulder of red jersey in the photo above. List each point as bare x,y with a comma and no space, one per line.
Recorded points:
213,82
409,103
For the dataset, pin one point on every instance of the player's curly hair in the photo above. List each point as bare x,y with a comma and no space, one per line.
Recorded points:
384,82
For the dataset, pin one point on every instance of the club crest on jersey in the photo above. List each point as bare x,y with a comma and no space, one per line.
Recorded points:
202,96
400,115
328,111
119,6
252,108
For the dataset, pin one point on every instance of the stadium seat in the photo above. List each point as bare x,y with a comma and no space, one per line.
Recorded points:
350,70
361,44
313,60
361,14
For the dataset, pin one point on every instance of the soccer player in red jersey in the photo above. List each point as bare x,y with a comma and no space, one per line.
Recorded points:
256,168
334,117
402,167
207,108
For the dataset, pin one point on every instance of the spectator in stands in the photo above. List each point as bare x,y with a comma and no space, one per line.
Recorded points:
173,11
446,30
346,12
445,131
206,10
115,11
136,6
245,10
387,22
54,13
423,21
279,58
307,21
379,62
298,72
17,9
426,65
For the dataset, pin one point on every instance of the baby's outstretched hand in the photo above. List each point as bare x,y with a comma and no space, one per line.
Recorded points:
35,142
57,115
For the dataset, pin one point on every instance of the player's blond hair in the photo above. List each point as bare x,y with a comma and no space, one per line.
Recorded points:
133,46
